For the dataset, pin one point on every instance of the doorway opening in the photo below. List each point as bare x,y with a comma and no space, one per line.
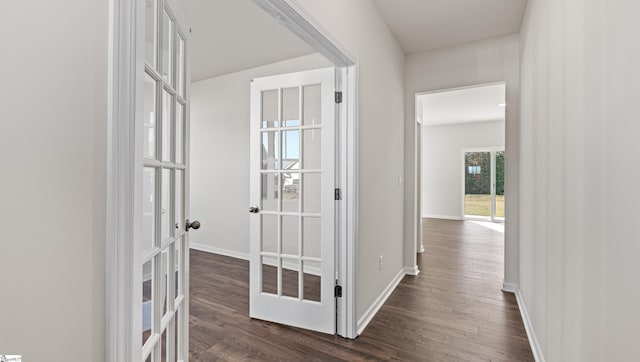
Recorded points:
461,154
142,295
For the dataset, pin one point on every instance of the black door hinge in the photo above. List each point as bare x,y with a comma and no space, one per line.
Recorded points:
338,291
338,97
337,194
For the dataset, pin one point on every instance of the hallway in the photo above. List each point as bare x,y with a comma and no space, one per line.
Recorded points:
453,310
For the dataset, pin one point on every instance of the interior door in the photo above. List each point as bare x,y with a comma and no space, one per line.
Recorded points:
292,161
163,143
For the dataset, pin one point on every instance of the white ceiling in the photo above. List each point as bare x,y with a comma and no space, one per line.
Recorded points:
421,25
477,104
232,35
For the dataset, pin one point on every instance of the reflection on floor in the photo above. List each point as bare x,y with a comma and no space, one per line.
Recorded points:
497,226
453,310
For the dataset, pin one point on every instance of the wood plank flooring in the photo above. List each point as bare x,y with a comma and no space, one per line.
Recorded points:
453,311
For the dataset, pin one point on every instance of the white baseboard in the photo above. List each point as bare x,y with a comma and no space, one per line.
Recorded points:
528,326
446,217
214,250
411,270
379,302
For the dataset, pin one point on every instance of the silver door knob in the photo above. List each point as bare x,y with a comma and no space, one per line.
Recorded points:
254,209
195,225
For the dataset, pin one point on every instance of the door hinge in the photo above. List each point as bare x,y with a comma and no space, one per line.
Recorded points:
338,97
337,194
338,291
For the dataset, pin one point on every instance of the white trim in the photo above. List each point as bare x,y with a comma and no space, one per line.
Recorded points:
366,318
446,217
120,226
528,326
292,15
413,271
219,251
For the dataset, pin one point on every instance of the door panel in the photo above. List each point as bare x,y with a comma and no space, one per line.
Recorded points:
164,175
292,182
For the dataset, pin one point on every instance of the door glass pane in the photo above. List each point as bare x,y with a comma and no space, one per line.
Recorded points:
290,191
179,133
270,233
311,110
176,347
165,212
291,107
270,108
180,67
312,156
148,208
150,34
164,281
311,237
291,150
269,275
167,108
149,117
179,206
163,346
290,269
147,300
178,267
269,192
311,281
477,184
311,192
167,48
500,184
290,232
270,150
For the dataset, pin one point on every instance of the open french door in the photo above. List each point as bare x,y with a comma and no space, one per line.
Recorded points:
161,262
292,275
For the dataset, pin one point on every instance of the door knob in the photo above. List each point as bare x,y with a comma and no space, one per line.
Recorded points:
195,225
254,209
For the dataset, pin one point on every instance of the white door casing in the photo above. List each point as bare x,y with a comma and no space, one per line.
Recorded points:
292,240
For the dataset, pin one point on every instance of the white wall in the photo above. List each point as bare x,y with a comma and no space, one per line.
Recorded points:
579,252
486,61
53,118
220,155
360,28
442,164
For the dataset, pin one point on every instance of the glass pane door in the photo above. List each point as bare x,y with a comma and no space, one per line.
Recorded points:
292,260
477,184
163,199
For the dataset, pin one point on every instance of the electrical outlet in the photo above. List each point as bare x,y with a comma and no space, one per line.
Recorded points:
381,262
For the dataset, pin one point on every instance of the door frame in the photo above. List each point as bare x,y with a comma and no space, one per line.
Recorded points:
120,253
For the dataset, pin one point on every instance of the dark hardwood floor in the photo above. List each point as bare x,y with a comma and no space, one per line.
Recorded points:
453,311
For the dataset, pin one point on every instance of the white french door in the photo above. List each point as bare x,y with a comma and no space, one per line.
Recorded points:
292,275
162,144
